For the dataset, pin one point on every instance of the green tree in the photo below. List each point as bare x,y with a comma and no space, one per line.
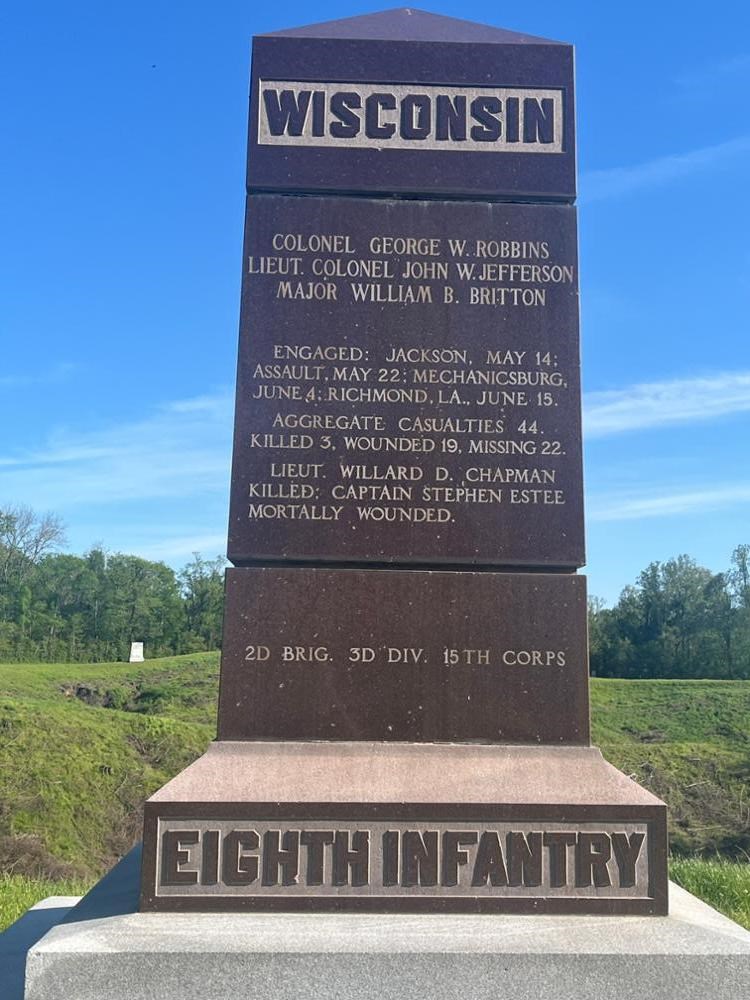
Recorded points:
142,603
202,583
679,620
25,538
57,606
739,588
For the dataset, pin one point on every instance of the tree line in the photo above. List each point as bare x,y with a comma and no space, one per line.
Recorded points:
678,620
60,607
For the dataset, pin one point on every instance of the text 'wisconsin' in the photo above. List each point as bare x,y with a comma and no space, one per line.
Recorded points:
366,115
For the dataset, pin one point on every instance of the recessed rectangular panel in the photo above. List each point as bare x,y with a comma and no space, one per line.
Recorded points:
287,117
491,118
390,857
318,654
408,384
272,858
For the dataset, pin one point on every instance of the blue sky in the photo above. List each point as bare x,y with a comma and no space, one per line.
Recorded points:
122,200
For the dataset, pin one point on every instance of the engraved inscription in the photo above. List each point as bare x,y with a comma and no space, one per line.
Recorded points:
394,655
408,116
409,380
266,857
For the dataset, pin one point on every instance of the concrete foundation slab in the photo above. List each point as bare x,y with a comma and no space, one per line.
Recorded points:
105,948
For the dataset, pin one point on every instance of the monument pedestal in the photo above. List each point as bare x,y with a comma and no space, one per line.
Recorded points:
404,827
106,949
403,712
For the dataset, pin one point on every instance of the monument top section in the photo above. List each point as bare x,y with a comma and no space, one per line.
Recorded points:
405,24
406,103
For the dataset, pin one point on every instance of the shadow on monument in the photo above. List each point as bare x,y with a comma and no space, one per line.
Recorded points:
23,935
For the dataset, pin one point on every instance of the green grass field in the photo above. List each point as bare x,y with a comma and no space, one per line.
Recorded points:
82,746
74,773
725,885
19,892
689,743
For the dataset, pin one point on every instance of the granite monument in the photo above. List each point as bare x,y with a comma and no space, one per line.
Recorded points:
403,718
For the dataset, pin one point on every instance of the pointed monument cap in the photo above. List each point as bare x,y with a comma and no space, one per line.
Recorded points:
409,103
406,24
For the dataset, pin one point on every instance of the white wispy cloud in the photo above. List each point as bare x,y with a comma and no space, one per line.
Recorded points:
657,404
183,547
180,449
198,404
688,501
704,80
58,373
651,405
612,182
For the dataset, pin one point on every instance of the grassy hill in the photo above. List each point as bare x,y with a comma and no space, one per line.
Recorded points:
689,743
81,747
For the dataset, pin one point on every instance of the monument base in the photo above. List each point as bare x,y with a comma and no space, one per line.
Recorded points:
404,827
106,949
